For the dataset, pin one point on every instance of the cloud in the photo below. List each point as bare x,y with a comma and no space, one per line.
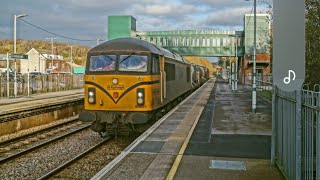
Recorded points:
5,30
165,10
85,19
228,17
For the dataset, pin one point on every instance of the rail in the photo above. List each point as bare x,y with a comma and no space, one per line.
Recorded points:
79,156
25,151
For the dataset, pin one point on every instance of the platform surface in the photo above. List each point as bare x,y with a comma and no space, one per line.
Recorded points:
9,105
228,131
213,124
155,151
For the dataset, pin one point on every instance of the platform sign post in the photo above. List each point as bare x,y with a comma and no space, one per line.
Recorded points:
288,66
15,57
19,56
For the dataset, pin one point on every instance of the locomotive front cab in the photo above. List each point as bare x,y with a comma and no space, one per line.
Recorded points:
121,87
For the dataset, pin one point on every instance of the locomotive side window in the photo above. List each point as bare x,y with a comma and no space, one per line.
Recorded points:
155,64
102,63
133,63
170,71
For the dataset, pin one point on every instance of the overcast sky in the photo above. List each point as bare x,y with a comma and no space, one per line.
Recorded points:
87,19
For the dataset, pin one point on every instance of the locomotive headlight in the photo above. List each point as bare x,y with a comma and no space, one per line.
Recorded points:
91,100
115,81
140,101
92,95
140,96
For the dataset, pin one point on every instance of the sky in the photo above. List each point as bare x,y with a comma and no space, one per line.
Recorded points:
87,19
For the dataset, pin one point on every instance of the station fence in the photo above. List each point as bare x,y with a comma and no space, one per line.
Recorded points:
40,84
295,129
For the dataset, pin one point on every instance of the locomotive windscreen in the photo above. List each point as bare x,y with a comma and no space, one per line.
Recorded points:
133,63
102,63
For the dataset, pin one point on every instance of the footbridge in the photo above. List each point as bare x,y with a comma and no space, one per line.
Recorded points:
208,43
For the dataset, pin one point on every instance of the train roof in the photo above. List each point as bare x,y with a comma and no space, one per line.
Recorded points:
137,45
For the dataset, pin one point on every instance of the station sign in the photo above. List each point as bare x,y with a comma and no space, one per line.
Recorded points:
19,56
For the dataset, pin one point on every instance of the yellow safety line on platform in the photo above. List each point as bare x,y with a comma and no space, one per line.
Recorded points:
177,161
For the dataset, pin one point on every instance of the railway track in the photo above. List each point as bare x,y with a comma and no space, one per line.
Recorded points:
73,160
7,154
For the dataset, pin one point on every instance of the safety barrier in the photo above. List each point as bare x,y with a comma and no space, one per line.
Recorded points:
295,129
40,84
296,132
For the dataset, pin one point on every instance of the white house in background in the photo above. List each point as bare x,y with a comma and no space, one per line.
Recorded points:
48,56
37,62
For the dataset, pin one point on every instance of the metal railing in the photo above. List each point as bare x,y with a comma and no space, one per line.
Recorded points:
41,84
295,129
311,133
296,132
263,83
286,132
260,77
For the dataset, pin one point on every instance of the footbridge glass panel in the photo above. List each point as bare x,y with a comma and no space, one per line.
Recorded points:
197,42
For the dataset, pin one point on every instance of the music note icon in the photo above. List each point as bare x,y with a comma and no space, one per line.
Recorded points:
287,80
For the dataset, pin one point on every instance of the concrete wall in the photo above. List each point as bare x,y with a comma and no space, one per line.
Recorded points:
38,120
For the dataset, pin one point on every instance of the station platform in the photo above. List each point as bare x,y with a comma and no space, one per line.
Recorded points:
22,114
48,95
10,105
212,134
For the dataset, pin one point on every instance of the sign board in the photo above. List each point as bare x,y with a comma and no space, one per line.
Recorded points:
288,66
19,56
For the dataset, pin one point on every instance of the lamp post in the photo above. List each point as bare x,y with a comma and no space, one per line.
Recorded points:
235,66
254,86
52,52
236,71
15,49
230,72
71,54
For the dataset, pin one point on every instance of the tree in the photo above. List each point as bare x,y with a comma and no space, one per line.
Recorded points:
200,61
312,42
312,37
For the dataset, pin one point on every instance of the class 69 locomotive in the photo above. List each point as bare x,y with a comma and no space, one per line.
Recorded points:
130,83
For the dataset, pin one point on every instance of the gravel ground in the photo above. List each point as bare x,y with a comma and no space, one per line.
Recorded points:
40,162
91,164
37,139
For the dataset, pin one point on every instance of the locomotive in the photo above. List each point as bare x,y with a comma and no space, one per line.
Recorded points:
130,82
